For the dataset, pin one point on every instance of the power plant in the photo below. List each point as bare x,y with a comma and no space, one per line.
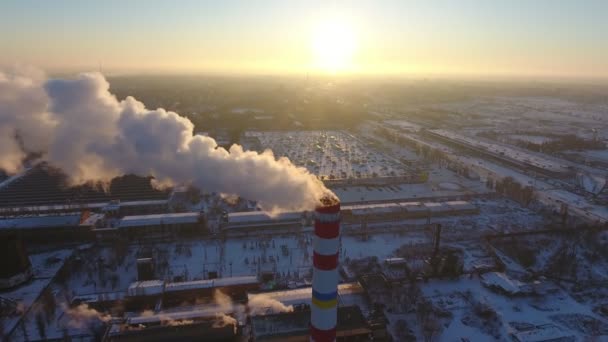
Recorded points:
326,246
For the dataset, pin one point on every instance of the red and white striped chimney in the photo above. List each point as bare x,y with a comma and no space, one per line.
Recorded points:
326,245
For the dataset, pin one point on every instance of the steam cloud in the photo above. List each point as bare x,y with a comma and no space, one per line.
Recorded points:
261,305
82,316
81,128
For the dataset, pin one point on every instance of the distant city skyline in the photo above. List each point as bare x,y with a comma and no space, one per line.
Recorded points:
429,38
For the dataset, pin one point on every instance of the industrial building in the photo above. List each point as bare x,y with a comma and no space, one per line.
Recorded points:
197,325
254,220
66,227
408,210
518,158
157,225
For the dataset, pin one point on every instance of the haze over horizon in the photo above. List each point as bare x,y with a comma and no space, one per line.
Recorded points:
445,38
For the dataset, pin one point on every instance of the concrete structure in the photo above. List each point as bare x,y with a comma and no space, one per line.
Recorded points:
323,318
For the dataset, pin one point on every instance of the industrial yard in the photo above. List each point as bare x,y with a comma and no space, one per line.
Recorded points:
440,230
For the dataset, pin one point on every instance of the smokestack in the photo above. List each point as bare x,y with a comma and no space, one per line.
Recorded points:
325,273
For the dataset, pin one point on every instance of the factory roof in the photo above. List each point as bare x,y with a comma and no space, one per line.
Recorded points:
99,297
461,205
434,207
261,216
33,222
210,283
146,288
116,205
158,219
360,209
414,206
154,287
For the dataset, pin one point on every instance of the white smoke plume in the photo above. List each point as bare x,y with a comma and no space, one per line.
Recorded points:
82,316
225,305
223,301
81,128
262,305
222,320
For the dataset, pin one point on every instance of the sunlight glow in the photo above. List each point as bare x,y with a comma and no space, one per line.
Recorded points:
333,45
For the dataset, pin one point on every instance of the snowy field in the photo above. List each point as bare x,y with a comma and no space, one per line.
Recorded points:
45,267
328,154
479,314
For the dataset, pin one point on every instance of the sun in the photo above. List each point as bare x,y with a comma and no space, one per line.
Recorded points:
333,45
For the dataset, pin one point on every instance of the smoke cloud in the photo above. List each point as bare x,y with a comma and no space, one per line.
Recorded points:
81,128
262,305
82,316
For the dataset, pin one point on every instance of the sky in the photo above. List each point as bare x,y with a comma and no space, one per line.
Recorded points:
562,38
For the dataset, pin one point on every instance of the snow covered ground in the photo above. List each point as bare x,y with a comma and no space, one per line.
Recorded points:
328,154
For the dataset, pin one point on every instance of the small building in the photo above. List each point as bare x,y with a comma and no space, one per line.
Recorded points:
501,283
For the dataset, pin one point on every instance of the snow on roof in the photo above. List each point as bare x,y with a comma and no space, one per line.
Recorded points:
414,206
189,285
461,205
99,297
232,281
146,288
548,332
210,283
395,261
502,281
117,205
365,209
158,219
362,209
433,206
261,216
32,222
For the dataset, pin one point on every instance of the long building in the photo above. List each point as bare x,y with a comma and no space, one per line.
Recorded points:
511,156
